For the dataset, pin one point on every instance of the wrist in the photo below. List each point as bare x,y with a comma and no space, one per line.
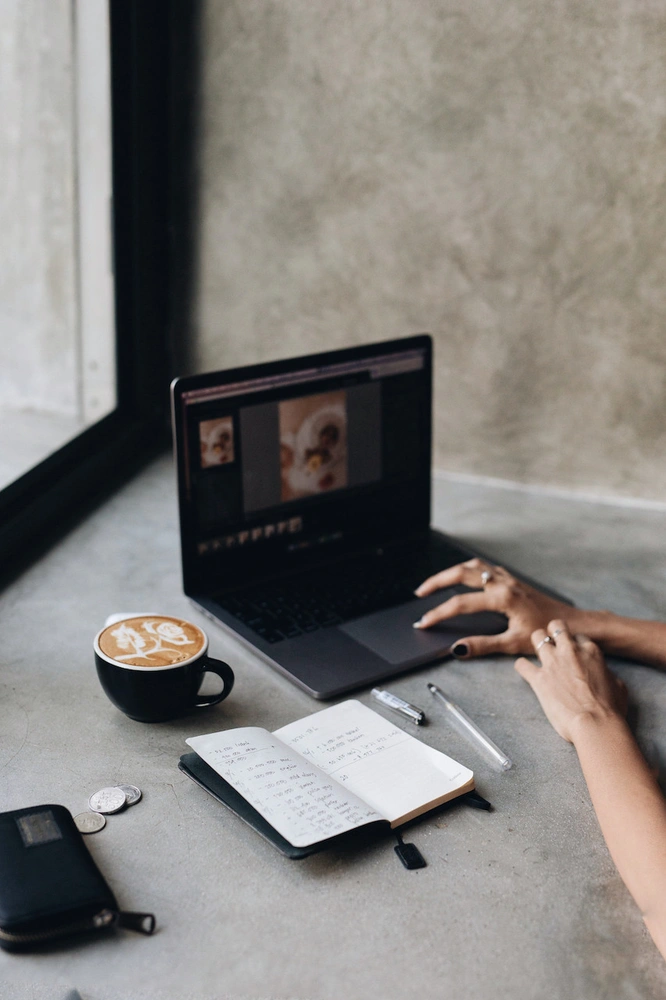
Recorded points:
596,625
598,724
623,637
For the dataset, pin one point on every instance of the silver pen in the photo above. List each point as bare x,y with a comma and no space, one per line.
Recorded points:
411,712
462,722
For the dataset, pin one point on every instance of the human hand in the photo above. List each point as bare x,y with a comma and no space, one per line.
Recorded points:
573,683
526,608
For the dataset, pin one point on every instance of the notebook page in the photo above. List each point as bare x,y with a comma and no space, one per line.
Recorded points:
303,804
393,772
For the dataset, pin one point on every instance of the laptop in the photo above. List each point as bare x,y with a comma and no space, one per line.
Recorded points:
304,496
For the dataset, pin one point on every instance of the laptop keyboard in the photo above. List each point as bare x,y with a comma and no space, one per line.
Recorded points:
332,596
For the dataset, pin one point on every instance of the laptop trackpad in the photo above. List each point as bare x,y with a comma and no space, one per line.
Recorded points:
391,635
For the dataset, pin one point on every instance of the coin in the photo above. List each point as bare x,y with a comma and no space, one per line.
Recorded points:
90,822
132,792
108,800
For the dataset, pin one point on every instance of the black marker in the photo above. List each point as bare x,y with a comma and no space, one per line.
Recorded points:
411,712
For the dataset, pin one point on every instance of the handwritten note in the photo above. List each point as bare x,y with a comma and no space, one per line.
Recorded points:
335,747
396,774
297,798
333,771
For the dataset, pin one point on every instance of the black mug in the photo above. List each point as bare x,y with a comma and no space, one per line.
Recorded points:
150,689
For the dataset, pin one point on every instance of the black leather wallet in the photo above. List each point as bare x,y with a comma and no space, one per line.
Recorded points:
49,884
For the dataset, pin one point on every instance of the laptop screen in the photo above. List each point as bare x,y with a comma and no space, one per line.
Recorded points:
293,462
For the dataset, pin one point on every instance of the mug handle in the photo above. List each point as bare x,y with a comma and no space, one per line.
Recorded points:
224,671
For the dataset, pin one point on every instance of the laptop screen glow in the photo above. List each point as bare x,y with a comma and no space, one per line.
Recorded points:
289,463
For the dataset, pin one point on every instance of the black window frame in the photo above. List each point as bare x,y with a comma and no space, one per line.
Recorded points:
42,504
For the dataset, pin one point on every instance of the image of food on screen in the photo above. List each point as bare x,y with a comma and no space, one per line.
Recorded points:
216,438
313,444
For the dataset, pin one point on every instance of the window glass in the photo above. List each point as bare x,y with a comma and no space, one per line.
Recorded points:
57,326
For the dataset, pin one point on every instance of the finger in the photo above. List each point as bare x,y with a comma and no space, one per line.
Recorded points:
543,643
559,631
622,695
527,670
482,645
446,578
459,604
468,573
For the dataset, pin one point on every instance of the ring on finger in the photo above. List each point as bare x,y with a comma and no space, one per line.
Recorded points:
486,577
542,642
558,631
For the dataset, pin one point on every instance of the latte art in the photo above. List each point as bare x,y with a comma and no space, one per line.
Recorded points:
152,641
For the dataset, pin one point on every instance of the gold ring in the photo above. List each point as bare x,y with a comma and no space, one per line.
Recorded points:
543,642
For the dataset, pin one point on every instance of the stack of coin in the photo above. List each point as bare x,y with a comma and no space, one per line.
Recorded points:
105,802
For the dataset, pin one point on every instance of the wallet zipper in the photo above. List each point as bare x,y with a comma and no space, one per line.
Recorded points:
144,923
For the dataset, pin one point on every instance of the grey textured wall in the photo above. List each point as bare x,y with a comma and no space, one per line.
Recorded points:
494,173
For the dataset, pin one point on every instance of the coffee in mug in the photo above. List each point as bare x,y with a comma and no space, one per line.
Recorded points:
151,666
148,641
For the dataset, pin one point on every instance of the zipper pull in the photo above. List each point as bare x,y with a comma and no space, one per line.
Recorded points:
144,923
103,919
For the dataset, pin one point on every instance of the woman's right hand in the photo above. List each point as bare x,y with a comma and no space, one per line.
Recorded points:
497,590
573,683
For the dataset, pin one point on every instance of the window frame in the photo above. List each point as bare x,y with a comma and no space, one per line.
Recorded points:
42,504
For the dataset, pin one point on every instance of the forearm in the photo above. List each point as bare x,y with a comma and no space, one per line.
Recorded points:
631,811
629,638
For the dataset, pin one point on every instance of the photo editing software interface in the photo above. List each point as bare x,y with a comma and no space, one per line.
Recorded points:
293,461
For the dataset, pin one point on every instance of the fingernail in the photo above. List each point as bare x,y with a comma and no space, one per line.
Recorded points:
460,649
418,591
418,624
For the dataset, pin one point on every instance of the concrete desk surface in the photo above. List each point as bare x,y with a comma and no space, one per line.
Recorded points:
523,902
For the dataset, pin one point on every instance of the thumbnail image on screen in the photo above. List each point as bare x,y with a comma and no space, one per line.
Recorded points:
313,444
216,438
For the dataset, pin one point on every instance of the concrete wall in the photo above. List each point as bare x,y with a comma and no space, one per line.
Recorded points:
494,173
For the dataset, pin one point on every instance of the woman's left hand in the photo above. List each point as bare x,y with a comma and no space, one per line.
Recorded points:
496,590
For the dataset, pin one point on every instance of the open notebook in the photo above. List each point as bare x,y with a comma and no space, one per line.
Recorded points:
340,770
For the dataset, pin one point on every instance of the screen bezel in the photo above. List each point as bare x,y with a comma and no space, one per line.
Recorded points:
214,574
